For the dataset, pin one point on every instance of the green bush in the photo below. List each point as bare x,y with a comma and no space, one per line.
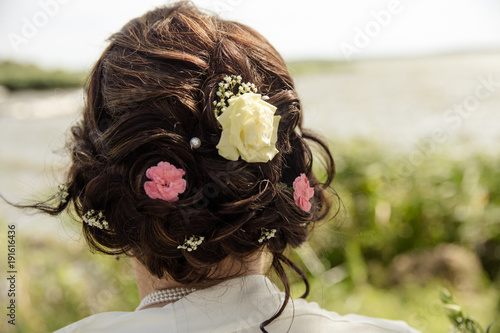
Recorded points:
15,76
441,199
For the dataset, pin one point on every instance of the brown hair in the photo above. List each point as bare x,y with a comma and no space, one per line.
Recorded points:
149,93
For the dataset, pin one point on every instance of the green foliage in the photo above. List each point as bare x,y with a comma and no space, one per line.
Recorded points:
461,322
15,76
312,66
393,206
62,282
389,207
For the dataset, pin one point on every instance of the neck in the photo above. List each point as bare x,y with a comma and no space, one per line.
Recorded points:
147,283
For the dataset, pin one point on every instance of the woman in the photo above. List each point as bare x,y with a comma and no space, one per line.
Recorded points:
191,159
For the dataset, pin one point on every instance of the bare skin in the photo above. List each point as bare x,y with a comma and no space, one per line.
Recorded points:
147,283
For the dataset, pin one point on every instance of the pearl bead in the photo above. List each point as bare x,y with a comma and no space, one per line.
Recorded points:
162,296
195,142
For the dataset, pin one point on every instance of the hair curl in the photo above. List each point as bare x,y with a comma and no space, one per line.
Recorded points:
148,94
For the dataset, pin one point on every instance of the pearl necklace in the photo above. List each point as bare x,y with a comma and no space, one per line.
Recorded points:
162,296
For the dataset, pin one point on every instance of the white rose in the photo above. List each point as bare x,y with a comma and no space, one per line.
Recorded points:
249,129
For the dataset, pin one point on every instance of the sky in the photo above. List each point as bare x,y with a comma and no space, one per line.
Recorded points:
71,34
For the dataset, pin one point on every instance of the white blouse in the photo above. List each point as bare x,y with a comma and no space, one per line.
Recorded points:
239,305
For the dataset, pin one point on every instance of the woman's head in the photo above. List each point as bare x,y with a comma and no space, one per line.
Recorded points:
152,90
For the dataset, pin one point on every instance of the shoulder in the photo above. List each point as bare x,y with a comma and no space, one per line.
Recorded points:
304,316
238,306
123,322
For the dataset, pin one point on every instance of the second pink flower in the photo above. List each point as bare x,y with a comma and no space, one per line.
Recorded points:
302,192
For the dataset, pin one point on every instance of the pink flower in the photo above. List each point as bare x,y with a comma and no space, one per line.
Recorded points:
302,192
166,182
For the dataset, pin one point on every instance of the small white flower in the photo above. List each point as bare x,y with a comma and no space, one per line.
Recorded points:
94,219
266,234
191,243
225,92
62,194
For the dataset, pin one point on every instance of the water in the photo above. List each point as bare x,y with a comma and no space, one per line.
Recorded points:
399,102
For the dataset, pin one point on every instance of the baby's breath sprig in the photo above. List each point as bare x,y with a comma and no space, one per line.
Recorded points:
62,193
266,234
95,219
229,88
191,243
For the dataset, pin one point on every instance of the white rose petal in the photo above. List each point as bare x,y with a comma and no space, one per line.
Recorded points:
249,129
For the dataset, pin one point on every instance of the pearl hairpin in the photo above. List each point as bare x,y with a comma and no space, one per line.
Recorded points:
195,142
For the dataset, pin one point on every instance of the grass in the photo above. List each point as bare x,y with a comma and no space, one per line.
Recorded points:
419,306
72,284
445,199
60,283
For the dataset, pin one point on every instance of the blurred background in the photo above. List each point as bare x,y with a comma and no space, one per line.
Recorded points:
406,92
